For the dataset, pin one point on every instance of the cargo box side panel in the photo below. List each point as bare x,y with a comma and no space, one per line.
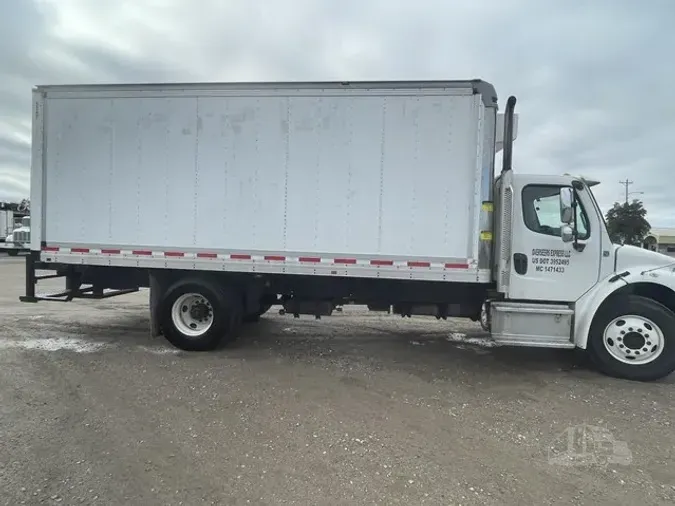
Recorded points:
333,174
160,172
77,172
239,172
361,173
428,193
390,175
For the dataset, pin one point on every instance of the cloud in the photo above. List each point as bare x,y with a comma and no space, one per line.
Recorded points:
592,78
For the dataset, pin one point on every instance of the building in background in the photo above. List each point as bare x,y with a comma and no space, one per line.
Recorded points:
661,240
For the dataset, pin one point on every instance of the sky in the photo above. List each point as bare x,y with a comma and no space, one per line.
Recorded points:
593,79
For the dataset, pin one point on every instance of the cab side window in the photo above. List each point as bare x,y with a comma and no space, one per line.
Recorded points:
541,211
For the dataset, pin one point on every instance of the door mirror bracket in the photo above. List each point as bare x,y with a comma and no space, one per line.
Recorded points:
568,216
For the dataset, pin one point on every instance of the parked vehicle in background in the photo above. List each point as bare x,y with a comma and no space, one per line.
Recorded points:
18,241
6,223
312,195
661,240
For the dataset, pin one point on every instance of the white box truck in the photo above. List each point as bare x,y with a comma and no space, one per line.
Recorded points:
6,223
226,199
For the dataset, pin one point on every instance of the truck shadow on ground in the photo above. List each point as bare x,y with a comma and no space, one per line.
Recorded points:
427,350
428,354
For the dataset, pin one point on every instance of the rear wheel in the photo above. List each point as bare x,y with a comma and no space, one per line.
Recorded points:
633,338
197,316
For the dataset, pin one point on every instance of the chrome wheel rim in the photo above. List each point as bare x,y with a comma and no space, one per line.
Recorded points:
192,314
633,339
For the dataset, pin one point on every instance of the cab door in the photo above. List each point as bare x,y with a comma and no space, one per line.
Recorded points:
543,267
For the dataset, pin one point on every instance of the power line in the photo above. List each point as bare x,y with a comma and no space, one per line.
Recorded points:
626,184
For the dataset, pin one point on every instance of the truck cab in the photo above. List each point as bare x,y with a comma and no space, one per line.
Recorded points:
558,243
562,283
19,239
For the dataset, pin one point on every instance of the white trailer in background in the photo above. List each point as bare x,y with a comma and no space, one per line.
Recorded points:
6,223
225,199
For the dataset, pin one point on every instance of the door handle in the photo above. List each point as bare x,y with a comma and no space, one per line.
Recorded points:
520,263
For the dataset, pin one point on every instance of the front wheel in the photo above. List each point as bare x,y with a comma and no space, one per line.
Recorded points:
633,338
12,252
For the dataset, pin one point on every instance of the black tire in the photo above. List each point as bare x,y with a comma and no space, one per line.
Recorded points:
255,317
225,313
12,252
636,305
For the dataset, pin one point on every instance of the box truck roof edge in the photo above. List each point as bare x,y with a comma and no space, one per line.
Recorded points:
479,86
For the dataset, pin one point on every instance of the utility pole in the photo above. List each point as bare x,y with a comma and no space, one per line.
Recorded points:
626,184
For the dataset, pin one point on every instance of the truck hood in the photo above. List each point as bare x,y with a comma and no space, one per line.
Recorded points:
628,257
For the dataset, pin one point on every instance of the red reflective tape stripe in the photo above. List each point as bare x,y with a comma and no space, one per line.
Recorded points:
314,260
111,251
79,250
275,258
207,255
456,266
144,252
50,248
419,264
381,262
238,256
350,261
174,254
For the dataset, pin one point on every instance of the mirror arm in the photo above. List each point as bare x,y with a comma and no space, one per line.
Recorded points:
574,219
576,244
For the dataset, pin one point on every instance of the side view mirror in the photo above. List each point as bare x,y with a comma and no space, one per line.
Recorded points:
566,205
566,233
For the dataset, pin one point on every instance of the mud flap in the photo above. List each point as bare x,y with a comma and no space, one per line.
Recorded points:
156,291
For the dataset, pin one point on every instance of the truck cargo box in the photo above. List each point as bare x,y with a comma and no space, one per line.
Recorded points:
354,179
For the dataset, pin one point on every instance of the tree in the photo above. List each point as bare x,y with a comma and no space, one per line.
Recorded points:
627,223
21,207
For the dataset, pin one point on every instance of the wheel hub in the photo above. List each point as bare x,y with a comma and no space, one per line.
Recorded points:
633,339
198,311
192,314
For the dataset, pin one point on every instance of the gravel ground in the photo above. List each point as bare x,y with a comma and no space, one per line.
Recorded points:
358,408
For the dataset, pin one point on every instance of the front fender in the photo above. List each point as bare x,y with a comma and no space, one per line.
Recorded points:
586,307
